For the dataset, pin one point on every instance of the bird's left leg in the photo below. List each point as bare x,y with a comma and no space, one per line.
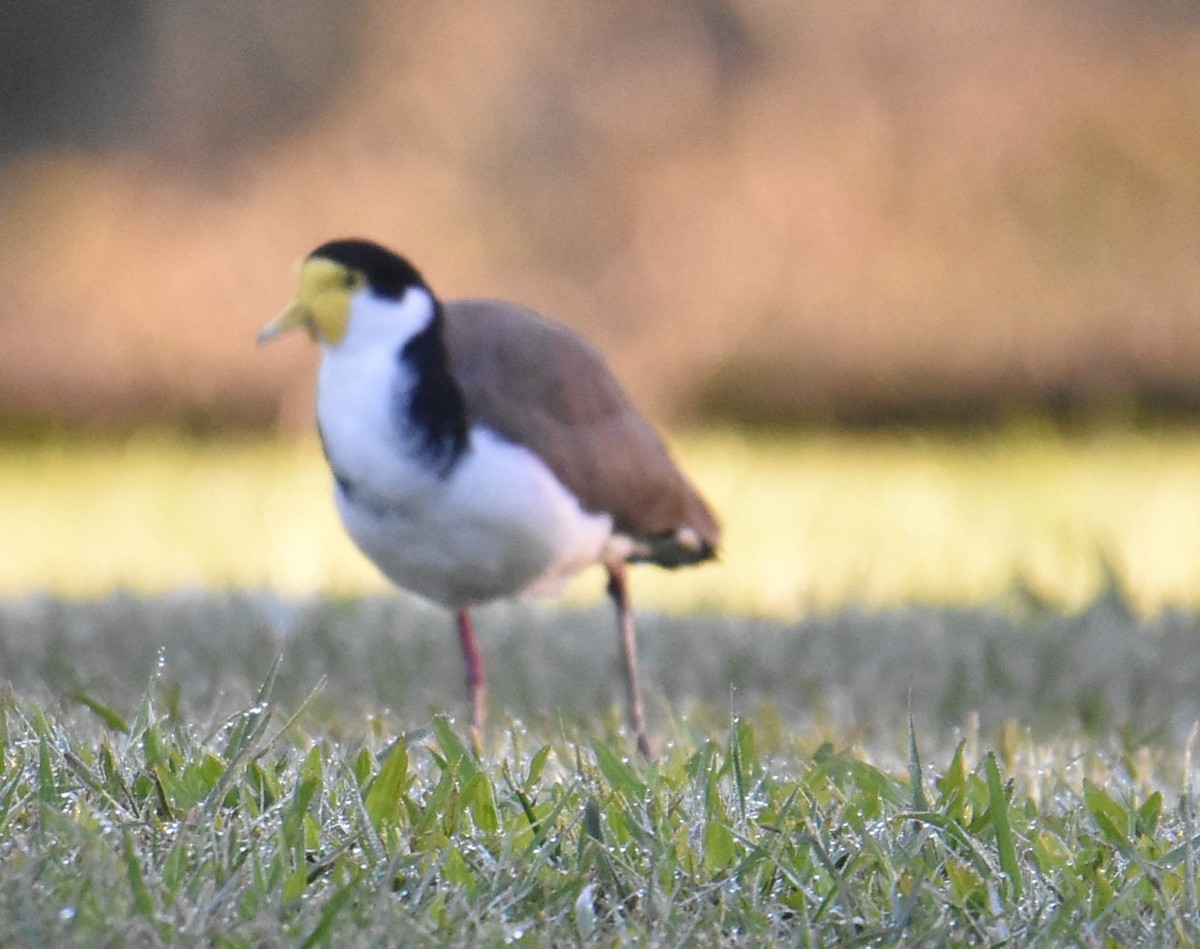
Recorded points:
476,676
618,589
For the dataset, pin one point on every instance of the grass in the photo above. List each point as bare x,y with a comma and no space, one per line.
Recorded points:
246,770
812,522
262,834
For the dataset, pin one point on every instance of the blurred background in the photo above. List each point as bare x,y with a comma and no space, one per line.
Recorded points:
770,214
764,210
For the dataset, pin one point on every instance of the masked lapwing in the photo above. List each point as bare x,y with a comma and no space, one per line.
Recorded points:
480,450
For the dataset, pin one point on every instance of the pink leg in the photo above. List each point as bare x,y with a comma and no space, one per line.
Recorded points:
619,591
476,675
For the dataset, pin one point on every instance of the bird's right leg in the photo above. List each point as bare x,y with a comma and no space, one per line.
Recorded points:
618,590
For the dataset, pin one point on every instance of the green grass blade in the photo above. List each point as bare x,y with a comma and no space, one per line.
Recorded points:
384,799
617,771
456,752
536,765
743,760
1109,816
919,801
481,802
114,720
998,806
719,848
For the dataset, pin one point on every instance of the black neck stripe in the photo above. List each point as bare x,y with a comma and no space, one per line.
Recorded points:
433,408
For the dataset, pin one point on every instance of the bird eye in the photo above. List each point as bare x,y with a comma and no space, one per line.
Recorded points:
352,279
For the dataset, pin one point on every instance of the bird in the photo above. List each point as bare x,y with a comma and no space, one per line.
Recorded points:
482,451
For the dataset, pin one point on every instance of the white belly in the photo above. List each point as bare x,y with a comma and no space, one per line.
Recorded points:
501,524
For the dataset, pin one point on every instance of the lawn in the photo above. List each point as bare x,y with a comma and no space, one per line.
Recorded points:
247,770
813,522
938,690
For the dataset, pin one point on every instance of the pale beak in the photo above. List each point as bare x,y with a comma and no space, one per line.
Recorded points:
296,316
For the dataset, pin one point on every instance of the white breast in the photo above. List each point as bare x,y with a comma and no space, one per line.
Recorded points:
500,524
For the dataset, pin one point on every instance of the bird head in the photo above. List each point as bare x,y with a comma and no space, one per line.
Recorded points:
329,281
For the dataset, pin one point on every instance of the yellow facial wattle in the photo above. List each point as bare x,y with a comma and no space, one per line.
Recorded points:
322,304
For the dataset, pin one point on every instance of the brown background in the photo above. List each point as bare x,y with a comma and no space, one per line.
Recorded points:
764,210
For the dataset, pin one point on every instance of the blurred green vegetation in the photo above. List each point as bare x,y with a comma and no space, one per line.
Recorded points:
812,521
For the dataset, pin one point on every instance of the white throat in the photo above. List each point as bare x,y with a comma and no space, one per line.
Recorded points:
379,323
362,379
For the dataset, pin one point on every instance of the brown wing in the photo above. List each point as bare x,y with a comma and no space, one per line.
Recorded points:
540,385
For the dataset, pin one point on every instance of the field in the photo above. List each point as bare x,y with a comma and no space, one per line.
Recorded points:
939,689
812,522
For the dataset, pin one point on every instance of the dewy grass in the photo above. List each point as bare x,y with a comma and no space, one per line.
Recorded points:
250,771
811,521
258,833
